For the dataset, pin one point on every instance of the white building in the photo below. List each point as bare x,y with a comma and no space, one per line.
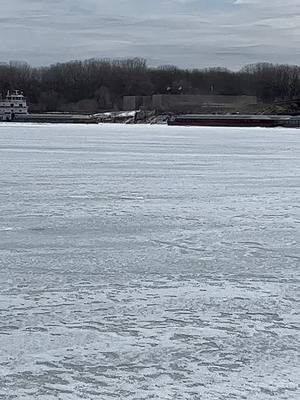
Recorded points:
12,105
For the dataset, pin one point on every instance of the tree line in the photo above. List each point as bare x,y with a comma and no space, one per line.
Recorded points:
101,83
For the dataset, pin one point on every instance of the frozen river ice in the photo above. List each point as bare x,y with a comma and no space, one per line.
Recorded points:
149,262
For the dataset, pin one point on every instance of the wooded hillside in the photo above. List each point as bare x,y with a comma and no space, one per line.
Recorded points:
99,84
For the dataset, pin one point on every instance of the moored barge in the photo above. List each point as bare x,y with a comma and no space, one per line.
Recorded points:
266,121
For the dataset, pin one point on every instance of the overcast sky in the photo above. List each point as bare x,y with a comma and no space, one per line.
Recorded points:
187,33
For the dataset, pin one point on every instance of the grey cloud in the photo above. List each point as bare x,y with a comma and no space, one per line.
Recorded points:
195,33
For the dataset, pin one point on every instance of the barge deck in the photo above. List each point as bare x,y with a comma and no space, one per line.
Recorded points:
266,121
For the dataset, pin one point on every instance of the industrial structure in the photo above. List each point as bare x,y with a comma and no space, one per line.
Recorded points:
181,103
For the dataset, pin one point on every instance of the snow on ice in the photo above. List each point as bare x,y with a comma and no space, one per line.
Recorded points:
149,262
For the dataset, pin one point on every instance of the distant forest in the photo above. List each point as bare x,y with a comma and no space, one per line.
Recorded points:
100,84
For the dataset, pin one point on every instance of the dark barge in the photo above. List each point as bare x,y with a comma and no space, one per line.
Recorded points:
266,121
56,118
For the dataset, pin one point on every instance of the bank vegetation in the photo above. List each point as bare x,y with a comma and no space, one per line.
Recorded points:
100,84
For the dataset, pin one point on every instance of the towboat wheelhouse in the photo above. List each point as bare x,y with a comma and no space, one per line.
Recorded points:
12,105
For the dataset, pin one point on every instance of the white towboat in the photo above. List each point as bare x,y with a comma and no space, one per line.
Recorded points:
12,105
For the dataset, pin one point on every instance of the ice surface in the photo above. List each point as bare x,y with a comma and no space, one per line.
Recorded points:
149,262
